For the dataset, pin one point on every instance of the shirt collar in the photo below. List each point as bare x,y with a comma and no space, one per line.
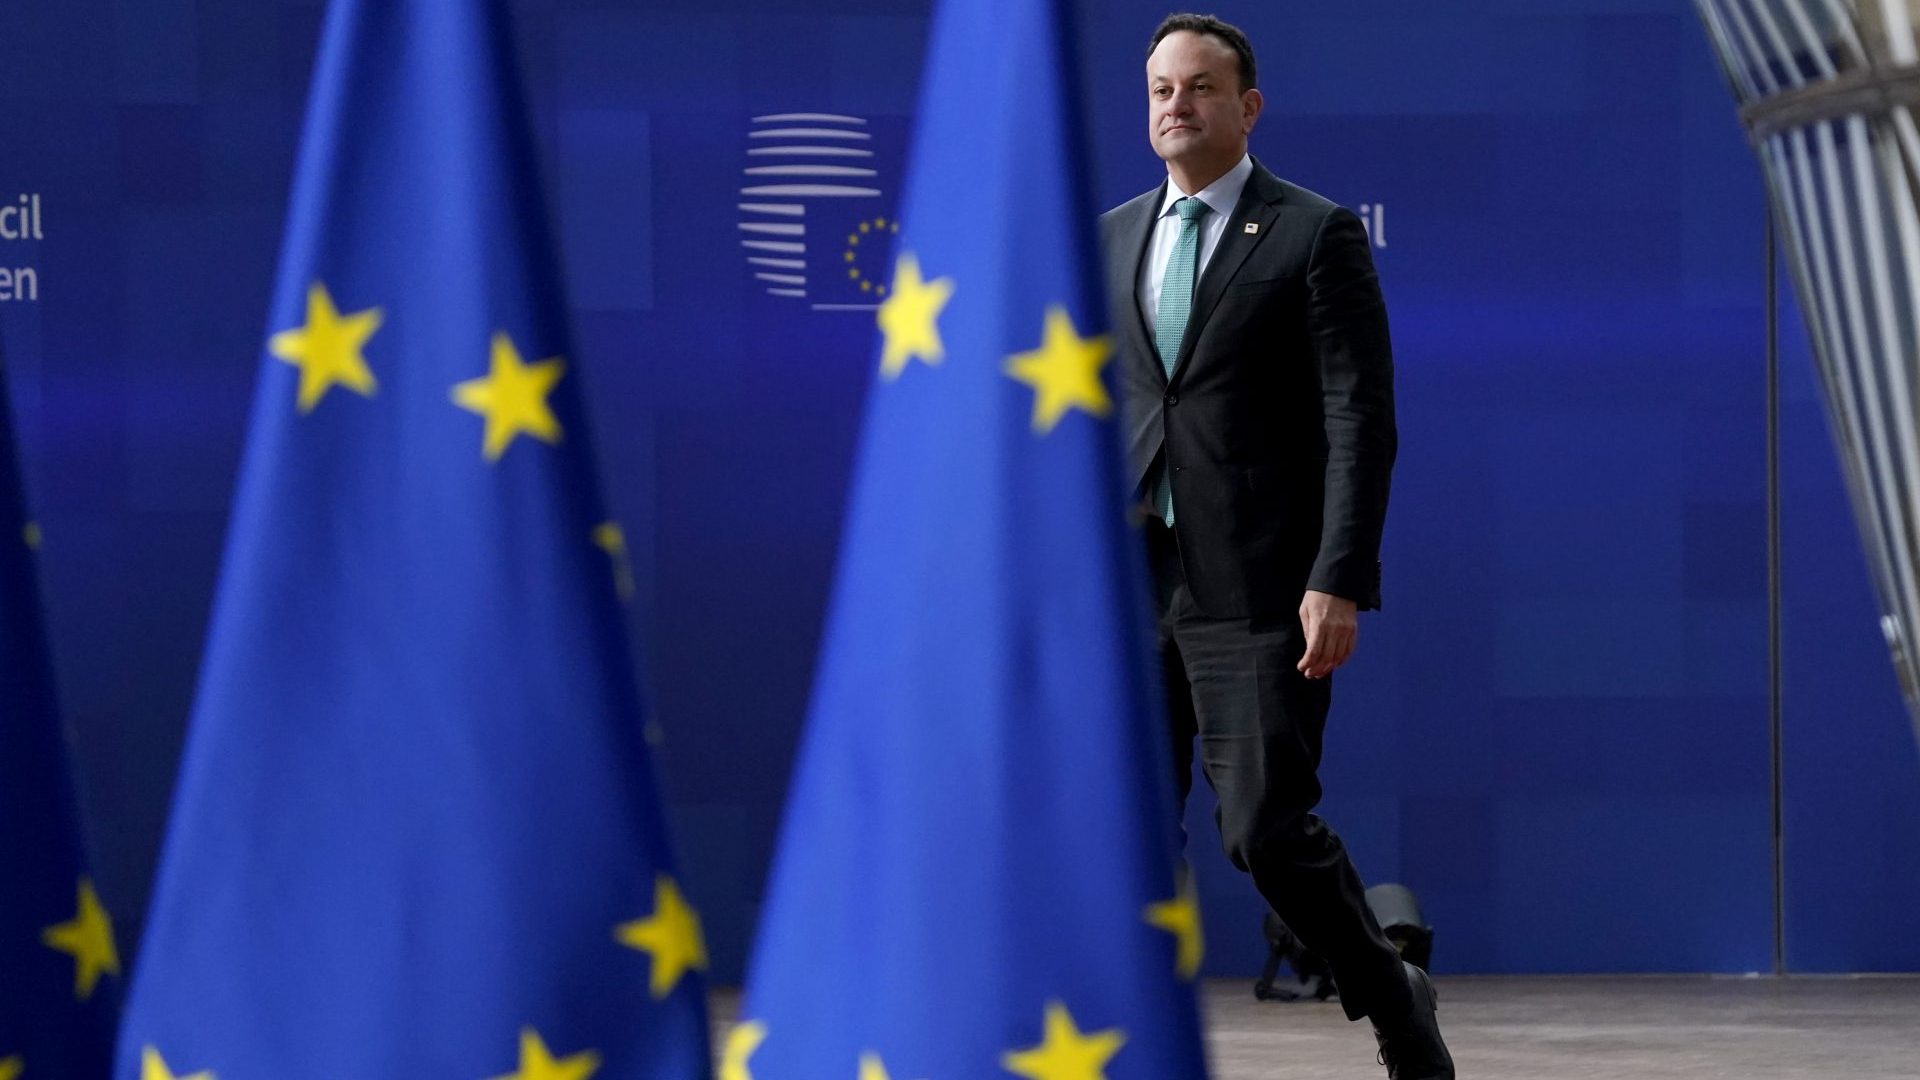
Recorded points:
1220,196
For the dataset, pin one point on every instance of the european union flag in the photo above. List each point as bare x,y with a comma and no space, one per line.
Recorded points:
415,833
976,874
59,968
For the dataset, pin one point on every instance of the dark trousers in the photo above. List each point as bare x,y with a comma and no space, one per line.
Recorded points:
1232,684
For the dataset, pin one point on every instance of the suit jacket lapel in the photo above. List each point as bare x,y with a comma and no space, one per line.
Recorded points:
1125,281
1259,205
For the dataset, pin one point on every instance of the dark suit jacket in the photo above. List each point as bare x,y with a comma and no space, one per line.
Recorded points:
1278,420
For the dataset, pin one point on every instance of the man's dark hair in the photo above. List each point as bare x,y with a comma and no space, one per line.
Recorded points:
1207,24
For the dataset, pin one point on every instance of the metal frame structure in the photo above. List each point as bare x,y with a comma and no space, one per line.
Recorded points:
1827,90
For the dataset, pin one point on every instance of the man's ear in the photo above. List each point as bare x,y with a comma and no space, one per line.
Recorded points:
1250,105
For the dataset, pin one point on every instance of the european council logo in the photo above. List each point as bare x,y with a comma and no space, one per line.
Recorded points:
817,222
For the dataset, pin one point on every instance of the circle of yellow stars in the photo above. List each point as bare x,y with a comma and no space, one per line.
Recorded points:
1063,372
1064,1052
878,227
671,935
330,350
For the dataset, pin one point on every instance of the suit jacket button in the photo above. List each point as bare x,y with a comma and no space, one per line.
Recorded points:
1173,399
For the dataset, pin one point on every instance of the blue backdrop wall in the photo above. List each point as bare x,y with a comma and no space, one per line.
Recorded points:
1556,732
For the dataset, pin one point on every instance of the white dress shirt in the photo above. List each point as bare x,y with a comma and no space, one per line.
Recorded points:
1221,197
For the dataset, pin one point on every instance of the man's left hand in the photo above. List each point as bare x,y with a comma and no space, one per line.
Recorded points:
1332,624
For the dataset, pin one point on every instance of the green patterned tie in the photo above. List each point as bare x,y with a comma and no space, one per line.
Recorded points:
1170,318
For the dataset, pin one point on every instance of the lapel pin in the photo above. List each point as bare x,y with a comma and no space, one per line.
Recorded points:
1252,227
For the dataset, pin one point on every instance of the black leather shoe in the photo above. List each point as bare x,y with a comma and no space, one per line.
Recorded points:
1413,1049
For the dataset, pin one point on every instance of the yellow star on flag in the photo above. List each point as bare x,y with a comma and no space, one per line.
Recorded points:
11,1067
1064,371
513,397
609,537
742,1041
671,934
1066,1053
153,1067
30,532
910,318
327,350
538,1063
88,938
872,1068
1180,917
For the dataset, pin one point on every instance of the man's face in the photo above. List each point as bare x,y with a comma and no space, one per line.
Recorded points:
1197,112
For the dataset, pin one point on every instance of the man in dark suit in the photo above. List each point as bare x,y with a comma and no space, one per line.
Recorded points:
1257,381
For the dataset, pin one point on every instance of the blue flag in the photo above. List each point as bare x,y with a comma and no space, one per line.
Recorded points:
415,832
59,967
976,871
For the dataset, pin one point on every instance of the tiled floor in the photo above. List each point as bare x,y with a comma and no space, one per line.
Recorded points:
1617,1028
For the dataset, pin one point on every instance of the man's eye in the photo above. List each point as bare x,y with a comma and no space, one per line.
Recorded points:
1200,86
